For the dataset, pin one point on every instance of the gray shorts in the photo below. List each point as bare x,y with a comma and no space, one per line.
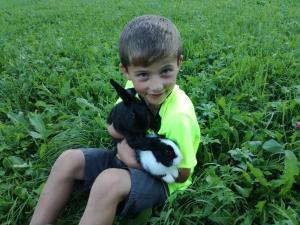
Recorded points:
146,190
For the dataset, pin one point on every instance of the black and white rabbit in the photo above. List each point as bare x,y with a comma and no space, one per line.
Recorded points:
158,156
131,118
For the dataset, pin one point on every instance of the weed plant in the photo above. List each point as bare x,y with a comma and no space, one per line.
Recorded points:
241,71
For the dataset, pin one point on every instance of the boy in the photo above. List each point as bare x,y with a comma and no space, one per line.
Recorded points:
150,53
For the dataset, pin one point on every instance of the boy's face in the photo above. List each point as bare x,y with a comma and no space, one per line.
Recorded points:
156,81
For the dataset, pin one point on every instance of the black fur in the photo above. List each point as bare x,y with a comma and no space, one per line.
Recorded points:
131,118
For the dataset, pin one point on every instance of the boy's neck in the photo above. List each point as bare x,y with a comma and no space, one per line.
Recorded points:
154,109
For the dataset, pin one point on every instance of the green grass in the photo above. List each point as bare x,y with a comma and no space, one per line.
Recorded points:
241,71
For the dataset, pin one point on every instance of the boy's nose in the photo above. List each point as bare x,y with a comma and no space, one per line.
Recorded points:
156,85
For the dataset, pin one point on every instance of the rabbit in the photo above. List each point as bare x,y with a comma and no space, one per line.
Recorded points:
158,156
131,118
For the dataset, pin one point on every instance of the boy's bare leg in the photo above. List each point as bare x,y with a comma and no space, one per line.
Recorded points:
57,190
108,190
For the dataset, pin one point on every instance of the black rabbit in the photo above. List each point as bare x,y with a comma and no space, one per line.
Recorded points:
131,118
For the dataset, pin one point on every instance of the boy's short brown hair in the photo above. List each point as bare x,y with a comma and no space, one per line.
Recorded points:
148,38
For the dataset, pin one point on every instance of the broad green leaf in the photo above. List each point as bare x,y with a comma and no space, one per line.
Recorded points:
11,161
287,213
40,129
84,103
291,164
42,150
258,175
245,192
247,218
37,122
236,135
17,118
21,192
221,102
273,146
65,89
3,147
41,104
247,177
220,218
35,135
254,144
213,179
260,206
290,171
239,119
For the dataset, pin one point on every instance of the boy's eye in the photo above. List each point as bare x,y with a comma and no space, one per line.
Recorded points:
142,76
166,72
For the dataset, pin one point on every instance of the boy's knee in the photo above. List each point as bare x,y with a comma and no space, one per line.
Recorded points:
113,183
70,162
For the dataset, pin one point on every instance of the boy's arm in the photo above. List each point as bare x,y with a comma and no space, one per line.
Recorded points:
183,175
115,134
127,155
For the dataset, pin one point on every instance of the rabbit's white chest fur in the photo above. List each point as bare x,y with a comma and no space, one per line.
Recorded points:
156,168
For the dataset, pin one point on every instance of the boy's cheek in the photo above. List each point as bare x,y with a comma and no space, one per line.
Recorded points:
140,89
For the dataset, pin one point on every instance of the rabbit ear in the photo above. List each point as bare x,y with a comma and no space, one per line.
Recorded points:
124,95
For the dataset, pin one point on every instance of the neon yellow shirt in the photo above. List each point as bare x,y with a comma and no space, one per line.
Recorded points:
179,124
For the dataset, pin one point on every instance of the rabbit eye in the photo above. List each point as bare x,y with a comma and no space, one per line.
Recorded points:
169,153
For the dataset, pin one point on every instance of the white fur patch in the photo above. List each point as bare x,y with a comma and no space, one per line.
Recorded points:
150,164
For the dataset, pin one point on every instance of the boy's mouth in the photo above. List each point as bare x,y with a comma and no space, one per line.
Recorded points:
157,94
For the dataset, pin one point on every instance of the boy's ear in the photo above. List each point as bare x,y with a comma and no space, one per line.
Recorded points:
180,60
124,70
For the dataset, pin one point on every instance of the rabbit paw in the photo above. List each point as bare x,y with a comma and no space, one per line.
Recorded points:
174,172
168,178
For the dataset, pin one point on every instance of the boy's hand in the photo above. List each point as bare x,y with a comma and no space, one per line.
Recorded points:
127,155
115,134
183,175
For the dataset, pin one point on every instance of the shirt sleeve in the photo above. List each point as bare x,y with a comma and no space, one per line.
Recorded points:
181,129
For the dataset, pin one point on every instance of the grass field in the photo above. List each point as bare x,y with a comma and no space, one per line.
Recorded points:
241,70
